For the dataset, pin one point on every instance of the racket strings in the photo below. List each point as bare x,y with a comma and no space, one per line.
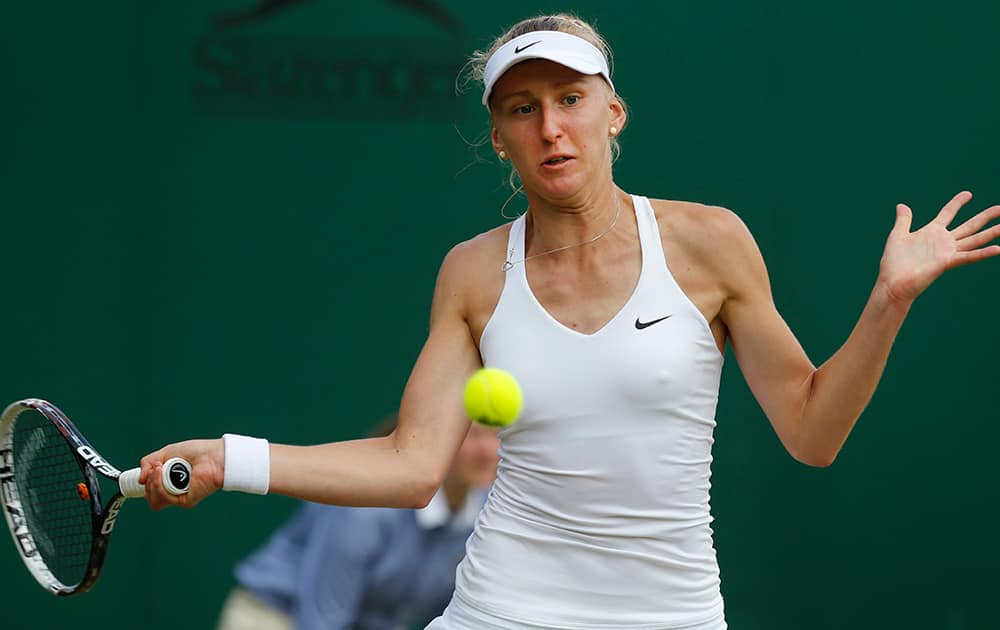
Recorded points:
48,483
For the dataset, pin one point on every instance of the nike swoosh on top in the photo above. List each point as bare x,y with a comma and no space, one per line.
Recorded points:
518,49
640,325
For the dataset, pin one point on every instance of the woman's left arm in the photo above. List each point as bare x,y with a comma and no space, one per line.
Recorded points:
814,409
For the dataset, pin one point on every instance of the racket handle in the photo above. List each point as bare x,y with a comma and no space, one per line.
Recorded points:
176,479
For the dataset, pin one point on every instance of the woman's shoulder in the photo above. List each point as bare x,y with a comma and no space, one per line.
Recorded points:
699,225
480,246
706,232
467,260
472,271
696,219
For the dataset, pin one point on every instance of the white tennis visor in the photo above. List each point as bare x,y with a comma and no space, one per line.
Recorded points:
562,48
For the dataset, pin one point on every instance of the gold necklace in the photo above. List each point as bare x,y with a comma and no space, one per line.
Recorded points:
507,265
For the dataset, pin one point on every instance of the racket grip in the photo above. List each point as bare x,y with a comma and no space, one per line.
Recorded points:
176,479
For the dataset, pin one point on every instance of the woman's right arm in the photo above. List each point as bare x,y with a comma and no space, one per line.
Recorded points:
403,469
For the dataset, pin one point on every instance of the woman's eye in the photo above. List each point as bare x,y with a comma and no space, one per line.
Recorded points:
572,99
525,109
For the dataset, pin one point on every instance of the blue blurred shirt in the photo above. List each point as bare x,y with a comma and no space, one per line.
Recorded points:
362,568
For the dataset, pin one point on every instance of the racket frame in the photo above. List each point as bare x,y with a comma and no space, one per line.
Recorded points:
103,516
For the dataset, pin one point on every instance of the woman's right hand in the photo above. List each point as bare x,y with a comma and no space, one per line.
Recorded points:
207,459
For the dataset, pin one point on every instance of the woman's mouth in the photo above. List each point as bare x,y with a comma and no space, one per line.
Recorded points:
556,161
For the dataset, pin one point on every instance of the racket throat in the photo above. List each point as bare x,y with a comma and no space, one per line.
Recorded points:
94,459
111,515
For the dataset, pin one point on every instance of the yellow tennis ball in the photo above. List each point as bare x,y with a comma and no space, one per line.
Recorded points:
493,397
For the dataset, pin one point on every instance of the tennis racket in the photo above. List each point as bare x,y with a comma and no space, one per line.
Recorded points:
49,486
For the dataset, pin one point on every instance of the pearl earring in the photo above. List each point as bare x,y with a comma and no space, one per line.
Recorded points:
614,131
502,154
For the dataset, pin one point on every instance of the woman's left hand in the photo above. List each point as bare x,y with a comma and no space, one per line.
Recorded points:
913,260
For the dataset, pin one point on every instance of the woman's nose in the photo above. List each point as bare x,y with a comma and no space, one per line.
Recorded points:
551,124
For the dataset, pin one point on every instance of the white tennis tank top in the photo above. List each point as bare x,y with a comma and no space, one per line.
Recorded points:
599,517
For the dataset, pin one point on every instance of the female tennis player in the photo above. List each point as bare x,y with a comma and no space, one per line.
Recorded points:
613,311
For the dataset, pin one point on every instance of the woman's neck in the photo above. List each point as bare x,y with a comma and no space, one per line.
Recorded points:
556,226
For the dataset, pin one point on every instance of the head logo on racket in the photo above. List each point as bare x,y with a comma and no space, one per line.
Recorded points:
179,475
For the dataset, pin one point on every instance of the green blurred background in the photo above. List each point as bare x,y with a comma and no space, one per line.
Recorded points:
221,219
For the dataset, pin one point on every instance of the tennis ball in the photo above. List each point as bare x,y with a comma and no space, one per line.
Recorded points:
493,397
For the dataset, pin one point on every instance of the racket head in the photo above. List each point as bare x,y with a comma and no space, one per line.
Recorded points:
51,496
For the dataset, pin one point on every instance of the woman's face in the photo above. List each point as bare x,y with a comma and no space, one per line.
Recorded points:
554,123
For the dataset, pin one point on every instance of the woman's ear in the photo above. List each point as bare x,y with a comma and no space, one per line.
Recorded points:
495,139
619,117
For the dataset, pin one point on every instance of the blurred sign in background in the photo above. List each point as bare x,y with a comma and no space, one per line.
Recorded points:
228,216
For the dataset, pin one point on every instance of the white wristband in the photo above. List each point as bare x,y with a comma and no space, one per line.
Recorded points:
248,464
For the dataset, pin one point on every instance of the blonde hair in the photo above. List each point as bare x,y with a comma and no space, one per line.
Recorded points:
474,69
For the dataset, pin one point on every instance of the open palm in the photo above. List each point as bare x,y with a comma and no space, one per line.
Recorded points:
913,260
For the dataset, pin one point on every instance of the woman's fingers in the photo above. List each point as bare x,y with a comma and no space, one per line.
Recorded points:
195,452
950,209
156,496
977,222
978,239
904,218
964,258
147,463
